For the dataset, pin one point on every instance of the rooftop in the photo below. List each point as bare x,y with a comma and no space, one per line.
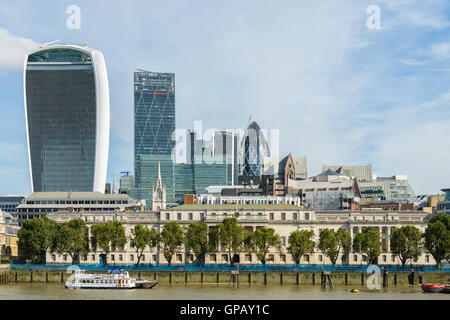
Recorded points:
76,196
187,207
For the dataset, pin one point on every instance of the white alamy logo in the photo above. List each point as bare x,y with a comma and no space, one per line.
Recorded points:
374,20
74,20
374,280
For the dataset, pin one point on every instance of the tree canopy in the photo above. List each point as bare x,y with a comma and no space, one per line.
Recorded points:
261,241
368,242
437,237
71,238
334,243
141,238
172,237
231,236
406,243
36,237
108,236
300,243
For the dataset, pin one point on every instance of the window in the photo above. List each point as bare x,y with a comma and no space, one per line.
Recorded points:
393,258
384,258
190,216
143,257
283,258
271,216
320,258
307,258
167,216
93,257
225,257
120,257
53,257
427,258
294,216
179,216
131,257
306,216
283,216
65,257
283,241
112,257
355,258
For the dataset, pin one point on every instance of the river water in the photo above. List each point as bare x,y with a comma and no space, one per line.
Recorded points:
38,291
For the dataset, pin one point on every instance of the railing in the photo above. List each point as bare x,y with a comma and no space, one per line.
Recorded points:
22,266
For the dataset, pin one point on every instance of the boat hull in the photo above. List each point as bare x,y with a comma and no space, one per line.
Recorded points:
433,288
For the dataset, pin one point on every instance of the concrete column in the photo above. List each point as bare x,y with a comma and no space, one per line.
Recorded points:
388,239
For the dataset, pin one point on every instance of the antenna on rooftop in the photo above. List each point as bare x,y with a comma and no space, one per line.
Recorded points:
52,42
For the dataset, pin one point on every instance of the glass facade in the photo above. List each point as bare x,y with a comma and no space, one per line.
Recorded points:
154,125
61,118
254,148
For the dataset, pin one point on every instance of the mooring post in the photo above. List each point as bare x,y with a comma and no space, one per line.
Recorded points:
62,277
296,280
314,279
265,278
346,278
249,277
170,277
15,277
185,277
362,278
395,279
46,276
31,276
201,277
385,279
217,277
281,277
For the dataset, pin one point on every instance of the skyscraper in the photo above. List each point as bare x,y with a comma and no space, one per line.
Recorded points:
154,125
67,112
253,149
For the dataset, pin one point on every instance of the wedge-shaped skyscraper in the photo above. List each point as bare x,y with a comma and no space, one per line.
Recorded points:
67,117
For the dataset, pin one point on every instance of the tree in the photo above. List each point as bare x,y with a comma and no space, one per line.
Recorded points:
140,239
261,240
108,236
406,243
300,243
437,237
334,243
197,240
36,237
71,238
368,242
231,236
172,237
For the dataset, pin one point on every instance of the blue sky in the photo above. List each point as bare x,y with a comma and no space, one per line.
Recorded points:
339,92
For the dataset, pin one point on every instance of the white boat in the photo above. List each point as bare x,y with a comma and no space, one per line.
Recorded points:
115,279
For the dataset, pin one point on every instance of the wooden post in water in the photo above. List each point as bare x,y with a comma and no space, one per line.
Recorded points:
362,278
346,278
170,277
15,277
314,279
62,277
201,277
31,276
46,277
249,277
217,277
395,279
296,279
281,277
265,278
185,277
385,279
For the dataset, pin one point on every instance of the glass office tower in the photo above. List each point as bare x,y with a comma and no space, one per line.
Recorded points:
67,117
154,125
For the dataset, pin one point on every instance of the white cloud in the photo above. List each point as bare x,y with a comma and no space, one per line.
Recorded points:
14,49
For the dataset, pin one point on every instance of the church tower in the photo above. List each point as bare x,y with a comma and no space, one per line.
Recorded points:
159,193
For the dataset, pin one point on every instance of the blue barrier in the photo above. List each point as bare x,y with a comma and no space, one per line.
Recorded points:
21,266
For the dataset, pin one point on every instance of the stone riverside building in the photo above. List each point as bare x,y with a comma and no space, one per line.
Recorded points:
283,218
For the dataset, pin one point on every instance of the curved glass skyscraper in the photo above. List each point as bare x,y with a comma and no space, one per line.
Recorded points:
253,149
67,117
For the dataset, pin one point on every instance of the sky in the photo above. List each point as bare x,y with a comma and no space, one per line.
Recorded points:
338,89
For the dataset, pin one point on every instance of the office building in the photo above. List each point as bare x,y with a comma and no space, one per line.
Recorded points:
39,204
154,125
253,149
126,182
395,188
360,172
444,205
67,118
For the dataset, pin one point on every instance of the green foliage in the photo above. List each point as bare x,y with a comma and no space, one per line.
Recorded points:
437,237
368,242
406,243
334,243
71,238
300,243
197,241
231,236
108,236
172,238
141,238
36,237
261,240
